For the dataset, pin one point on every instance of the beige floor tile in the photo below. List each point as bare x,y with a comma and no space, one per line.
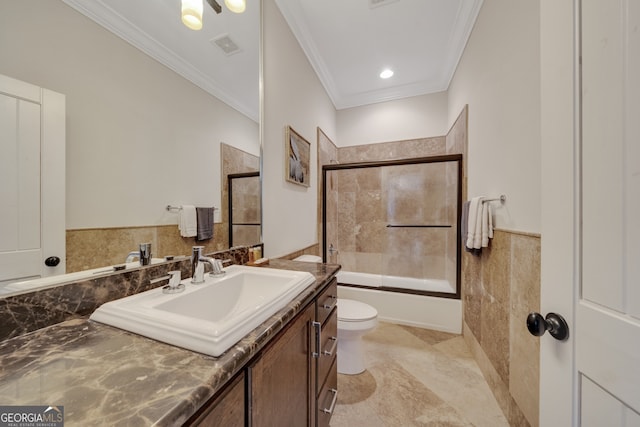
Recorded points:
416,377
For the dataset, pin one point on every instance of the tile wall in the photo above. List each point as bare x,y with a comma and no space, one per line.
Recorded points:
98,247
247,198
370,199
500,287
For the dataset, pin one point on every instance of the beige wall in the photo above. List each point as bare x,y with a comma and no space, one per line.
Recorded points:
138,135
293,95
498,77
409,118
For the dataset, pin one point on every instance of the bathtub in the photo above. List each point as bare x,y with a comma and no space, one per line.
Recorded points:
442,314
378,281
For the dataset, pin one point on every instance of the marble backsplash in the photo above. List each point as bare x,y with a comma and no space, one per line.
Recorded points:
30,311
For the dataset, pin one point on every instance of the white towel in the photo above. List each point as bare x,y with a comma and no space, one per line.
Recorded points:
474,224
188,221
487,224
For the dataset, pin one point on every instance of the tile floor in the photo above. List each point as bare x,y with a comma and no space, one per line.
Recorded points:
416,377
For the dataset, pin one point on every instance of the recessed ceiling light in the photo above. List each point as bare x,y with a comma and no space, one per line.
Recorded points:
385,74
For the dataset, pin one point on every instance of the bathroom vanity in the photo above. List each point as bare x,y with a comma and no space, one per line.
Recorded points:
292,381
279,374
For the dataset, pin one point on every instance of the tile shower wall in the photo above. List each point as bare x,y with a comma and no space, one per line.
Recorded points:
371,198
246,209
356,197
97,247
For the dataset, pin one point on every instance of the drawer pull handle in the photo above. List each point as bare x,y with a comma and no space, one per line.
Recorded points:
317,326
333,402
331,304
333,347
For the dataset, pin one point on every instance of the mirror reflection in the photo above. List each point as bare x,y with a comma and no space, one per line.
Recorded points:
139,136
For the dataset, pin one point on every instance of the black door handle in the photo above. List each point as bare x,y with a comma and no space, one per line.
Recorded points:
554,323
52,261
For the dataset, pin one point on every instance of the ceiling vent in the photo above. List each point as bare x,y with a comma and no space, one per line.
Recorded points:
228,46
378,3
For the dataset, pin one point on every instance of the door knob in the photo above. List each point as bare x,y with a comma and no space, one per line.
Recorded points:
554,323
52,261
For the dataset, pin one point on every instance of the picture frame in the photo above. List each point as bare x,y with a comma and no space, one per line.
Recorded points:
297,163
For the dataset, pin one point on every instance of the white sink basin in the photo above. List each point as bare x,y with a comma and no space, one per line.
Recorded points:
211,317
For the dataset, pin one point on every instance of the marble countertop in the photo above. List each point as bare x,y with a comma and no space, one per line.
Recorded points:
106,376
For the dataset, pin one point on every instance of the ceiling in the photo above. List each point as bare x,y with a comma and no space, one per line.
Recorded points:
348,43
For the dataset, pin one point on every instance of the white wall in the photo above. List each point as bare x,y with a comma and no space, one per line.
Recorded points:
139,136
499,77
293,96
408,118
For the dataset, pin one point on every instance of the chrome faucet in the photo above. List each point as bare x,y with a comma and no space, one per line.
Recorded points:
197,265
144,254
132,255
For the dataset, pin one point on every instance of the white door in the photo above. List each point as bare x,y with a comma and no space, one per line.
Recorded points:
591,217
32,184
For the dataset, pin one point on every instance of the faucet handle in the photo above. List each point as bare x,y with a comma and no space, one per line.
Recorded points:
174,278
174,285
217,271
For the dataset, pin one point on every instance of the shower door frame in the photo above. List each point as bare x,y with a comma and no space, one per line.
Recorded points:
457,158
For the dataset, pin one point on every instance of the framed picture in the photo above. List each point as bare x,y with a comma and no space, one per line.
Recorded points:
297,163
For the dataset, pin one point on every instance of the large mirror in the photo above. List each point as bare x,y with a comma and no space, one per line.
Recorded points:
154,112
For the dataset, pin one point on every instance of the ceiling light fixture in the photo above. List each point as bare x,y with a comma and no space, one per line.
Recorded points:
192,14
192,10
236,6
386,73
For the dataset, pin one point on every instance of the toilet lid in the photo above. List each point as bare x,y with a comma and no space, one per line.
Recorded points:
354,311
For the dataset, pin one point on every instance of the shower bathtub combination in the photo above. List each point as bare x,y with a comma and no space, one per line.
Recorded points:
394,228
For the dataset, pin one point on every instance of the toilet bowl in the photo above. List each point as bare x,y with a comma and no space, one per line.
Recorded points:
355,319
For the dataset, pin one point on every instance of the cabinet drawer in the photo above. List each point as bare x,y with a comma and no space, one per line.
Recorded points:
327,301
328,347
328,397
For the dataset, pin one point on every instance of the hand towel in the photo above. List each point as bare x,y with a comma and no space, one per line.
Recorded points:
187,223
474,223
205,223
487,224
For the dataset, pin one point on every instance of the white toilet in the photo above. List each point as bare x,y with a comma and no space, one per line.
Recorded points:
355,319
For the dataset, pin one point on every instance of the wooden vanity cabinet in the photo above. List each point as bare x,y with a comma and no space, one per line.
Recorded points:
291,382
226,408
326,390
281,379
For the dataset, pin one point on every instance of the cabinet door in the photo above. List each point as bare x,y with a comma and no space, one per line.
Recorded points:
281,380
226,410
